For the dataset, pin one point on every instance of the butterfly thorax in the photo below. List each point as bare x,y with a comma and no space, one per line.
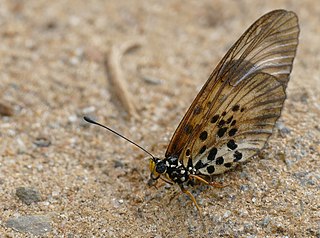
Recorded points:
172,168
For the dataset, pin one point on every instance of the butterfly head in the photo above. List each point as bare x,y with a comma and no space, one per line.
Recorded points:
157,167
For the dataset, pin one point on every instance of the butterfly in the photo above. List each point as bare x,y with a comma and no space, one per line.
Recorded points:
234,114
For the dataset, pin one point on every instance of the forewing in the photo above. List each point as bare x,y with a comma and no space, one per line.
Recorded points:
268,46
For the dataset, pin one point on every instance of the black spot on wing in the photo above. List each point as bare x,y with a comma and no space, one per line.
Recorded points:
232,132
212,153
199,165
203,149
221,123
220,160
197,110
190,164
203,135
237,156
214,119
210,169
188,129
222,131
229,120
235,108
232,145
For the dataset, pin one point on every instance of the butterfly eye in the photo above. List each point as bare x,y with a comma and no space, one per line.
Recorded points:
161,167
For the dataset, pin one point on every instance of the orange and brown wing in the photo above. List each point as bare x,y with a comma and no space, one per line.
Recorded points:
268,46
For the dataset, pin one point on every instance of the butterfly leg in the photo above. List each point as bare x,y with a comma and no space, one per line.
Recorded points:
173,197
213,184
185,191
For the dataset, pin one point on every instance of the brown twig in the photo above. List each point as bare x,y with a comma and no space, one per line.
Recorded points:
117,79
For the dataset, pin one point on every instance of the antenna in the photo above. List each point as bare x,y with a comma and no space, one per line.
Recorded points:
87,119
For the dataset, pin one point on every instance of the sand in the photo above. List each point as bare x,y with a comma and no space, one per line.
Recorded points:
86,182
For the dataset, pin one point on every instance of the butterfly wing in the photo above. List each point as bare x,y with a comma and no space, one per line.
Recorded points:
264,54
239,125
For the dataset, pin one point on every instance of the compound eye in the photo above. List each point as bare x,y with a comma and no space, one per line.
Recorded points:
161,167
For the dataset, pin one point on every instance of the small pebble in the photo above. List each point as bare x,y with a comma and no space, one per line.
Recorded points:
34,224
28,195
117,203
150,80
243,213
247,227
21,145
12,132
72,118
227,214
74,60
118,164
283,129
244,187
42,142
55,193
45,203
265,221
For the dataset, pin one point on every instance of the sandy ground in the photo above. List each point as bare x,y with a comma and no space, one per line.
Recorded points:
91,183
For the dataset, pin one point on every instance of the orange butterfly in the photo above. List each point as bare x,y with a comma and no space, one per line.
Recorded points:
233,115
